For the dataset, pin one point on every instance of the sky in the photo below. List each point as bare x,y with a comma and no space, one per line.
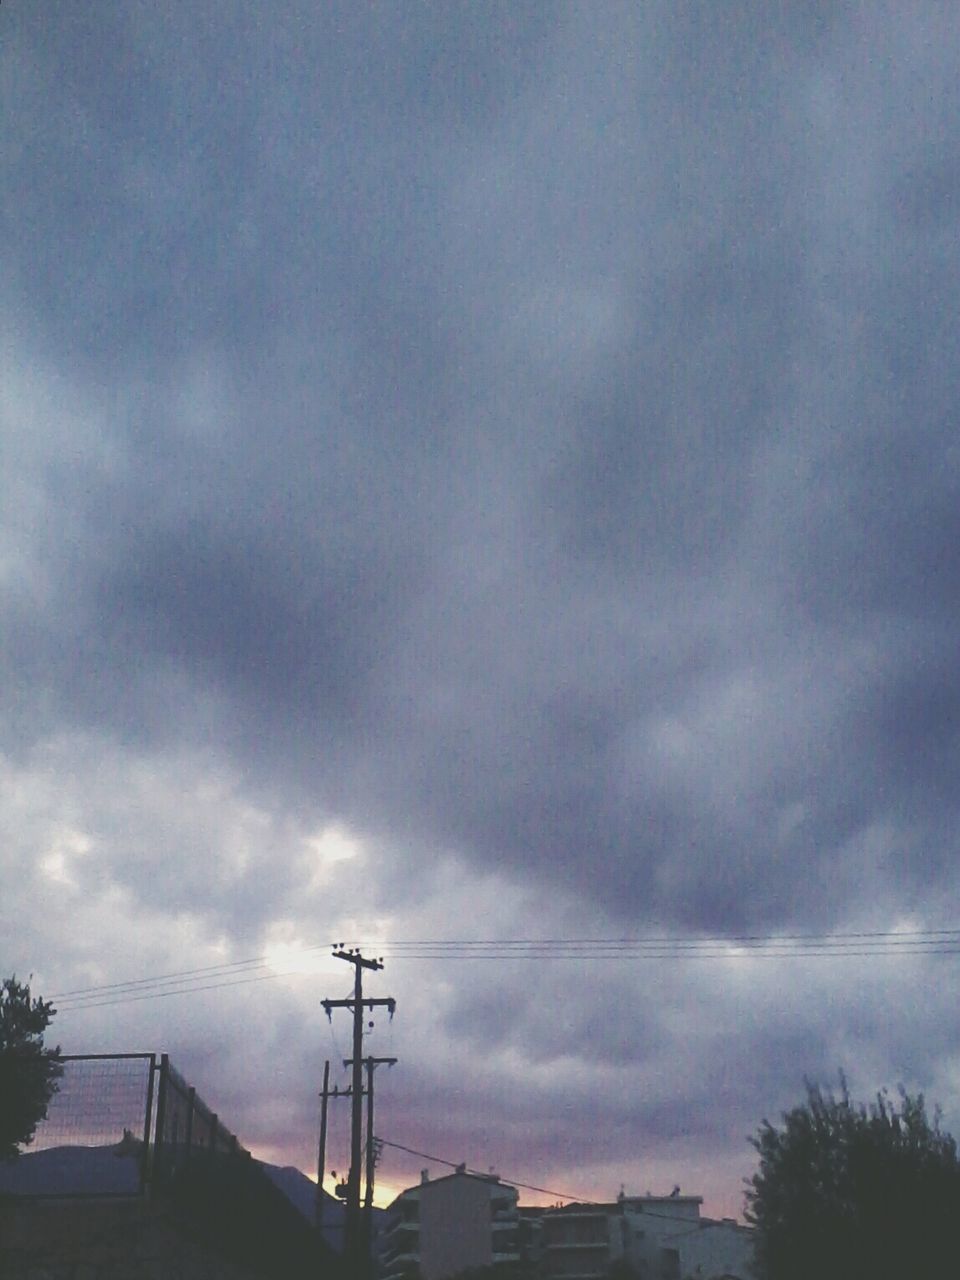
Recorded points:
486,472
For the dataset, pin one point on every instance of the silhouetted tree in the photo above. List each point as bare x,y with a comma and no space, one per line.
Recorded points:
848,1192
29,1073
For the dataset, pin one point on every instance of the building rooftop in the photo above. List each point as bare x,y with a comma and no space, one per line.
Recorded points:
461,1171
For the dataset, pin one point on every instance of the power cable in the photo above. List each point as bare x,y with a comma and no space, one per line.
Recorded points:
528,1186
256,962
159,995
875,944
664,938
510,1182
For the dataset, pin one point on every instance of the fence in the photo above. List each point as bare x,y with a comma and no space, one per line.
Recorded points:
117,1124
185,1125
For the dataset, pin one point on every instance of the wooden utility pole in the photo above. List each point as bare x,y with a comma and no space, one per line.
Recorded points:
355,1251
336,1093
370,1064
322,1149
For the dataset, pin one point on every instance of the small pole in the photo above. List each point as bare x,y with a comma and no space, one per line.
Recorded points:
160,1153
368,1179
145,1157
322,1150
370,1064
191,1105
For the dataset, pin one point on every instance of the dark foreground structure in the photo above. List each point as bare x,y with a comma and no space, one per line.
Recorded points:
132,1177
218,1218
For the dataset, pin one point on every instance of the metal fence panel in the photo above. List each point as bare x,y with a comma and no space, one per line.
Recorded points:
185,1125
117,1122
94,1140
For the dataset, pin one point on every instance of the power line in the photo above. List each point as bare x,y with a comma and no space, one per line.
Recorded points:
257,962
600,946
185,980
510,1182
666,938
853,945
526,1186
714,950
159,995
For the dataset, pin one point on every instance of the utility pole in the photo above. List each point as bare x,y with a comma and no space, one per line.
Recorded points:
336,1093
370,1064
354,1250
322,1149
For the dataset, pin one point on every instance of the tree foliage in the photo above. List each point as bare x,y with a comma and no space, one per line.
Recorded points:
29,1073
850,1192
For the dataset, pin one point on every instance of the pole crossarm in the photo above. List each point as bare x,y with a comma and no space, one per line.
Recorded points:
354,957
389,1003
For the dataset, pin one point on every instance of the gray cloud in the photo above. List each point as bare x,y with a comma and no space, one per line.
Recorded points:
525,438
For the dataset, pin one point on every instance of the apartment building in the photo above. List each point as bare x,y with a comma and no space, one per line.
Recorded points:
444,1225
657,1237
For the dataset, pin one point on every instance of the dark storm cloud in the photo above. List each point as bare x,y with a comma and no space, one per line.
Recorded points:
622,1081
192,172
533,434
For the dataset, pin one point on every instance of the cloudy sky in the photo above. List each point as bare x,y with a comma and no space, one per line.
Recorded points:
486,472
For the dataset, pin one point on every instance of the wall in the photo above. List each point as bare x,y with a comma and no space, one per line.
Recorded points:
454,1226
661,1238
717,1249
580,1241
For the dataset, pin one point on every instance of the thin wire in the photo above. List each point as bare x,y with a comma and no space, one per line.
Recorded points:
340,1055
528,1186
257,961
862,945
159,995
769,953
511,1182
666,938
544,1191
